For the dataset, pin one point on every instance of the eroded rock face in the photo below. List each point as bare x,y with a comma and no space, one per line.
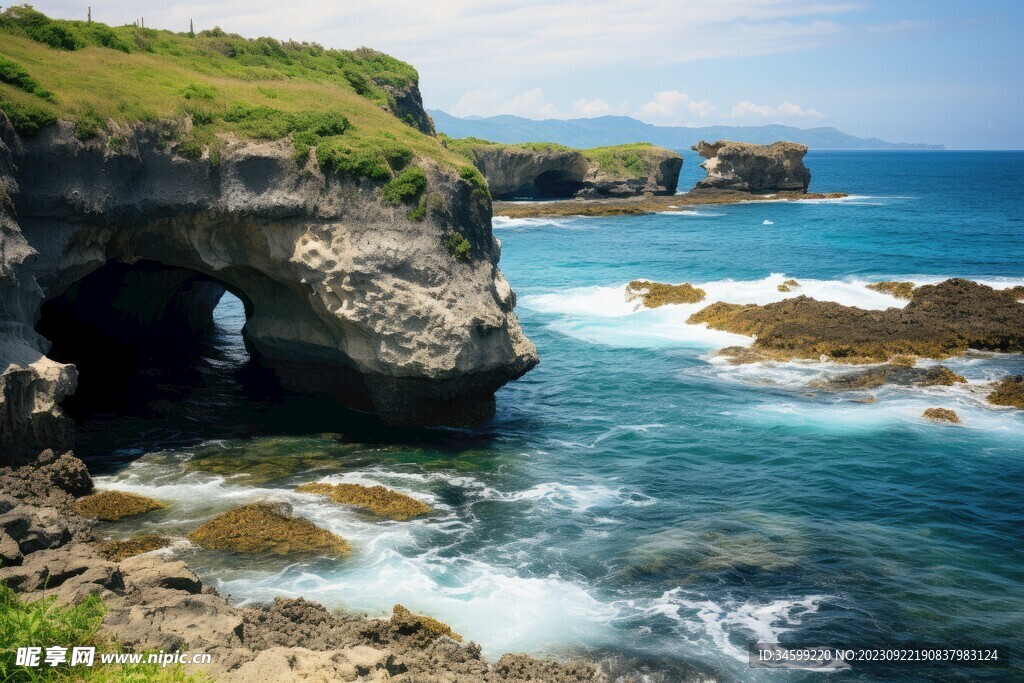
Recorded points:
344,294
746,167
519,171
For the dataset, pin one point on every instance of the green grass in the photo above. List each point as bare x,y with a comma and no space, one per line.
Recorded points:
334,100
407,186
621,161
43,623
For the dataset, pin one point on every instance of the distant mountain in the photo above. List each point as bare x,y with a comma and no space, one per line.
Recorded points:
615,130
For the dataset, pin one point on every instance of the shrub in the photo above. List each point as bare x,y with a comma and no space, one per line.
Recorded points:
408,185
57,36
104,36
12,74
458,246
89,124
199,91
26,119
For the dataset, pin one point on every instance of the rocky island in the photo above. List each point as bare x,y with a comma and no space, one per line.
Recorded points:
736,172
543,170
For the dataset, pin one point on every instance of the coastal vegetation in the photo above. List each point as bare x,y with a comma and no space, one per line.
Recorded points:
350,105
110,506
655,294
43,622
377,499
265,528
622,161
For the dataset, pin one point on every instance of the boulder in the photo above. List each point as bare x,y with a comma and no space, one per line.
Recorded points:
746,167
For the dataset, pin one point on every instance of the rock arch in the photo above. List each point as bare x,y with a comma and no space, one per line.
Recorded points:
345,295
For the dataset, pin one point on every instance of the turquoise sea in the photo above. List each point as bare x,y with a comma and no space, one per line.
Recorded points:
634,495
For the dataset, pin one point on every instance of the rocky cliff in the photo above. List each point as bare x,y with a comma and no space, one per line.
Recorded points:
543,170
746,167
116,245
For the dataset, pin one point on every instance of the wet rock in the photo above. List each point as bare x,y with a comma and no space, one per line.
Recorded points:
377,499
407,623
941,320
753,168
788,286
264,528
941,415
894,374
48,480
110,506
519,667
115,551
655,294
900,290
1009,391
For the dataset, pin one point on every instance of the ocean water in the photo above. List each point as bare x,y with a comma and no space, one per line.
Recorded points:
635,495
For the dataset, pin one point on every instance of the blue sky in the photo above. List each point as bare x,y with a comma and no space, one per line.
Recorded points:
939,71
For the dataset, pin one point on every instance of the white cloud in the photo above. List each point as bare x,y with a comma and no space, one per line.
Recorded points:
460,45
786,110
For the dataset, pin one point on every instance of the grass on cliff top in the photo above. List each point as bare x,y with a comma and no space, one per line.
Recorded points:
623,161
42,623
338,100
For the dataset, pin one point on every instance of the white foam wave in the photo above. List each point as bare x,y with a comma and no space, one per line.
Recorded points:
509,223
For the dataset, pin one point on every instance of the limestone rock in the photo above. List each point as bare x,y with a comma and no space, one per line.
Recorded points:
70,574
747,167
547,171
346,295
151,571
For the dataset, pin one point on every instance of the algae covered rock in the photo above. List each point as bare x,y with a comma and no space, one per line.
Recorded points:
941,320
655,294
110,506
115,551
377,499
941,415
1009,391
898,374
900,290
265,528
406,621
788,286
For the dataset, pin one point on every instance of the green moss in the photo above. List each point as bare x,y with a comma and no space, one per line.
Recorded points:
262,528
407,186
110,506
376,499
458,246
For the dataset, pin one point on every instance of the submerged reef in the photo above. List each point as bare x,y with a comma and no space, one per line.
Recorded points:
655,294
377,499
110,506
892,373
264,528
941,321
1009,391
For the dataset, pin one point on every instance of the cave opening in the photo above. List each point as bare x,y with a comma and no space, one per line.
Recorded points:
553,184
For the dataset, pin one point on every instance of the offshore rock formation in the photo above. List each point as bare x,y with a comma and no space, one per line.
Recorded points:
553,171
746,167
112,253
890,373
941,320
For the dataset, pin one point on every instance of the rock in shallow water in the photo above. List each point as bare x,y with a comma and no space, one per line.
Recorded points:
753,168
264,528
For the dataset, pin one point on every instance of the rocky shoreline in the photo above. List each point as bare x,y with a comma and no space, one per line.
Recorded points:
48,550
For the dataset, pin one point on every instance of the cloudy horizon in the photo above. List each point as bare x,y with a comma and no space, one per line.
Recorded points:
931,72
